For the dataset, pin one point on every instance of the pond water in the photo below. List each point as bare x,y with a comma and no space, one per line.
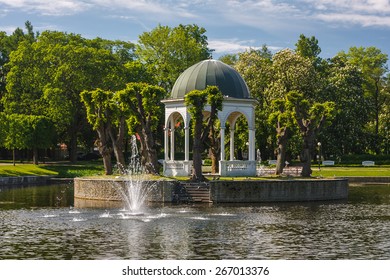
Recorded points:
39,222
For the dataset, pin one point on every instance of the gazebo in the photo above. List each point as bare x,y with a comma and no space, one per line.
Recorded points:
237,102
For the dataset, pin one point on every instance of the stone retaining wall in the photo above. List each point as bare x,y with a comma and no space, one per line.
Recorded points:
24,180
223,191
109,189
278,190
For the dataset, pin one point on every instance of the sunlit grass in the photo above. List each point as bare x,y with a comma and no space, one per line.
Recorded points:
96,169
9,170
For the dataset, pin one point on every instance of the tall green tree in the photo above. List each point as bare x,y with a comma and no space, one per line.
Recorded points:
196,101
99,107
144,109
289,72
26,132
372,64
168,51
255,67
309,48
48,75
344,86
282,119
311,117
9,44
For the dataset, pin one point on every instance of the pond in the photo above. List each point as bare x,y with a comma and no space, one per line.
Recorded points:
40,222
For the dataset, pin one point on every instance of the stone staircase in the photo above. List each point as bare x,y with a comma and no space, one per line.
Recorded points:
193,192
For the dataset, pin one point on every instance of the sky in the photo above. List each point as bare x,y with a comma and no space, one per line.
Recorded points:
232,25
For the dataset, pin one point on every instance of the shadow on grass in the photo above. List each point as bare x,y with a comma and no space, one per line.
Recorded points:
80,169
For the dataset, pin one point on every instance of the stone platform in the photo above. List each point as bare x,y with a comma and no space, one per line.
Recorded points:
234,191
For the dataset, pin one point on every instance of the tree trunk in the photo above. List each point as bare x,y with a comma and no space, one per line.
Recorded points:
283,134
73,147
215,149
197,150
148,150
308,141
214,163
35,156
306,163
105,150
280,159
118,143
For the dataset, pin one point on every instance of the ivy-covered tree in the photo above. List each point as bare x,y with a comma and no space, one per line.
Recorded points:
100,113
144,110
289,72
311,117
282,119
196,101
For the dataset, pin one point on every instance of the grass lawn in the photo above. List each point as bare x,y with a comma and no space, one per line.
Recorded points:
8,170
351,171
95,168
60,169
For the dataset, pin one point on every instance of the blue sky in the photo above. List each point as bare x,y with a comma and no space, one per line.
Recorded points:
232,25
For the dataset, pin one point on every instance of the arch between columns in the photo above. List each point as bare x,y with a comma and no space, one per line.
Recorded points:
229,114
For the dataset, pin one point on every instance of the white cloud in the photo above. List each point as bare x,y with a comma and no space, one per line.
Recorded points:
47,7
224,46
357,12
363,20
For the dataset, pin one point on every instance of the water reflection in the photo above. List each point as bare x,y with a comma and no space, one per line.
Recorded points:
40,223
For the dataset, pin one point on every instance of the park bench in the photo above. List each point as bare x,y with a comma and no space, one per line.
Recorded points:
272,161
368,163
328,162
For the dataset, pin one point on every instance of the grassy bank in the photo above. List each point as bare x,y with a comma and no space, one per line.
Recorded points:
60,169
95,168
377,171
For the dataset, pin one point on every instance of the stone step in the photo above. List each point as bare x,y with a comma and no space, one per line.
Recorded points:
191,192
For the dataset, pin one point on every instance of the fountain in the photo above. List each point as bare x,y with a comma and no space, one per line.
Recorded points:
135,189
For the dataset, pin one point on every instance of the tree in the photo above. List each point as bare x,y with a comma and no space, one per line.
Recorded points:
26,132
372,64
310,117
98,104
289,72
344,86
49,74
9,44
142,102
281,118
196,101
309,48
255,68
167,51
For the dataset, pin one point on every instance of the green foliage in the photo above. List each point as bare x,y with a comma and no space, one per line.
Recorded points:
167,51
26,131
142,102
98,104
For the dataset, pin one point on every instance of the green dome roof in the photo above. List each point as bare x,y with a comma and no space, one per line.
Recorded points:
211,73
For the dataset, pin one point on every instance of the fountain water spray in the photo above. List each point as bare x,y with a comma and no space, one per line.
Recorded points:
135,188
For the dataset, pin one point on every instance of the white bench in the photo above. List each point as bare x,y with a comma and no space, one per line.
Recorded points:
368,163
328,162
272,161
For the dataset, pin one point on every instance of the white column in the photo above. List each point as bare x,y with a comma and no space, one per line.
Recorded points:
231,144
166,146
251,148
186,143
173,143
222,143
